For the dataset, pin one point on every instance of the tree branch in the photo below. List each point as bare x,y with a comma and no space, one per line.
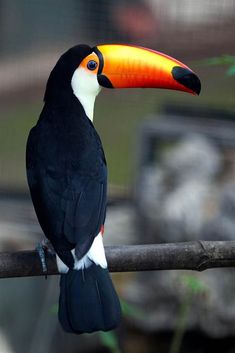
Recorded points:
197,255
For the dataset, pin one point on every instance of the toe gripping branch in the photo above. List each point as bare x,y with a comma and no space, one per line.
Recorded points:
42,248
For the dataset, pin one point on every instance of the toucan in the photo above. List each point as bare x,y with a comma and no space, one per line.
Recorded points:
67,171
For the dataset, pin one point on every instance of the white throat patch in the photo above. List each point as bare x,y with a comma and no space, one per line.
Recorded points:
85,87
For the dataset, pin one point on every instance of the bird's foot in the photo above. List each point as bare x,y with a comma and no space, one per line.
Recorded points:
42,248
48,247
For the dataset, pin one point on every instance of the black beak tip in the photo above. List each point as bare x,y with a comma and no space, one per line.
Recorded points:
187,78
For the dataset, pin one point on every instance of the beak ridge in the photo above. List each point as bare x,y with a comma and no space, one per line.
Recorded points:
126,66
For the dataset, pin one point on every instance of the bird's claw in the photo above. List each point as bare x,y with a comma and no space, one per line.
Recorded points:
41,252
42,248
46,244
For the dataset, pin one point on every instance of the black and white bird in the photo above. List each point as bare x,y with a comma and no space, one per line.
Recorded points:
67,172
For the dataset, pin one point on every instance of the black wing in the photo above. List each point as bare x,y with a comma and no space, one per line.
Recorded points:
68,189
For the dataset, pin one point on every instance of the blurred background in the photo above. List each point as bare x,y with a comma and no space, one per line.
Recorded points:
171,159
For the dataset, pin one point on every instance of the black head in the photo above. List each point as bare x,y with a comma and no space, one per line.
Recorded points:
58,88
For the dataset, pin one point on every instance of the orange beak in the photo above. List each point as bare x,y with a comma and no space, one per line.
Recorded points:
126,66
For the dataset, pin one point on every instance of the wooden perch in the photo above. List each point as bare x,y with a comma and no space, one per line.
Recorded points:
197,256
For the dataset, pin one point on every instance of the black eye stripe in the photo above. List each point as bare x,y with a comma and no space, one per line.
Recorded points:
101,60
92,65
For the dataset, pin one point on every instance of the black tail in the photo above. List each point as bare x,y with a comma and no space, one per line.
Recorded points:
88,301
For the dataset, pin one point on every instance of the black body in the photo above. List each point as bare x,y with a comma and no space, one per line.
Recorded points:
67,177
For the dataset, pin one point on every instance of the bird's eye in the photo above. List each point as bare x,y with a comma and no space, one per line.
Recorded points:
92,65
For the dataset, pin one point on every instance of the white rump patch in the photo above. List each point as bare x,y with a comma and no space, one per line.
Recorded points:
62,268
95,255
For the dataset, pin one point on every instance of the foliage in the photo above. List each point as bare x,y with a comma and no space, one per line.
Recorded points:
225,59
131,310
109,339
193,287
193,284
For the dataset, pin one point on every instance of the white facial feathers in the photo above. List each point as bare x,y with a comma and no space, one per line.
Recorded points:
85,87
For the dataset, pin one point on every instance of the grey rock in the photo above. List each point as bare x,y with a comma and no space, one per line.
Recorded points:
183,199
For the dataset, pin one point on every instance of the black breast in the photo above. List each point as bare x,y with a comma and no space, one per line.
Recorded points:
67,177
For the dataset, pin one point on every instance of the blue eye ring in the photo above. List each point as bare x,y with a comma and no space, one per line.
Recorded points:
92,65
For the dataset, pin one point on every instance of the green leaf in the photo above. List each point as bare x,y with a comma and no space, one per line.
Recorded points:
219,60
54,309
231,71
131,310
194,284
109,340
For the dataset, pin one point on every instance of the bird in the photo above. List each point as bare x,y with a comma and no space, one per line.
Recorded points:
67,170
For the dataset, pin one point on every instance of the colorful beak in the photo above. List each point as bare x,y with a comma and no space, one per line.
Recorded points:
125,66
